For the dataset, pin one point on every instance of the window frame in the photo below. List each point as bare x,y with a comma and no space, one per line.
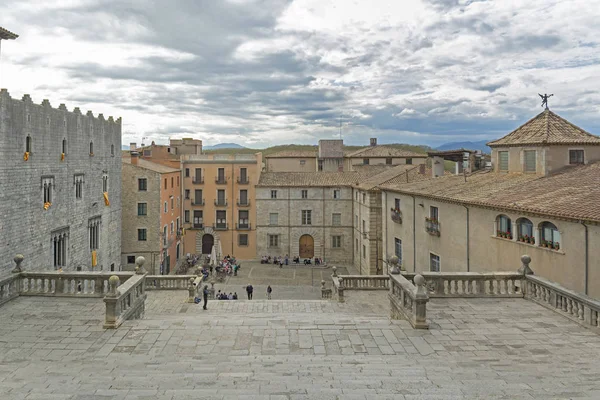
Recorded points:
335,216
577,151
142,206
527,153
500,163
304,193
273,194
432,257
142,184
240,235
306,217
336,241
142,235
276,219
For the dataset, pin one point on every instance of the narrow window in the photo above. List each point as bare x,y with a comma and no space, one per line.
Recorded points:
172,203
91,148
166,207
336,219
274,219
364,254
105,183
142,209
172,182
273,194
64,146
398,249
198,219
503,160
165,183
142,235
221,198
243,175
306,217
142,184
244,197
221,175
243,239
504,228
529,156
177,180
434,213
221,219
397,204
434,262
243,221
112,150
525,230
28,142
187,194
187,172
304,194
320,165
186,216
550,235
336,194
336,242
273,240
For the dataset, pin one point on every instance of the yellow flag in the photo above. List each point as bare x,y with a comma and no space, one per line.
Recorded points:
94,258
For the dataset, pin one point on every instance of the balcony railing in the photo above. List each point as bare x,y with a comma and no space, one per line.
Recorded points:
198,181
221,203
245,203
243,181
198,202
432,226
243,227
198,226
220,227
221,180
396,216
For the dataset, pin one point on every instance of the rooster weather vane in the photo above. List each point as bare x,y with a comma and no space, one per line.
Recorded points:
545,98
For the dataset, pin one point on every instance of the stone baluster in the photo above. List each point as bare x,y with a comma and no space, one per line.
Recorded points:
341,290
420,303
111,300
334,268
191,291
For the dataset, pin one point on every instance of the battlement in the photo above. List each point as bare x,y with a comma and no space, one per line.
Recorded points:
46,107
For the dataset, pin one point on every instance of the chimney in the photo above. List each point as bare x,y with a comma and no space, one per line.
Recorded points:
422,169
132,146
373,141
134,157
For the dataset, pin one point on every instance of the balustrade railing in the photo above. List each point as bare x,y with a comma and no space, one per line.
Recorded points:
366,282
578,307
9,288
168,282
67,284
471,284
124,302
409,301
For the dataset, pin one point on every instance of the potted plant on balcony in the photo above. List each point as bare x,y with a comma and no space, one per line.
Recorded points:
556,246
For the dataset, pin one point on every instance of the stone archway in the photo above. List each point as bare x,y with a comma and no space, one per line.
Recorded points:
307,246
208,241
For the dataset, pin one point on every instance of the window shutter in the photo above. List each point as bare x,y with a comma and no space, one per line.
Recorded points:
530,161
503,160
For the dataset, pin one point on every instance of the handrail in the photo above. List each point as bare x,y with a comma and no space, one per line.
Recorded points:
9,288
575,306
125,302
68,284
409,301
366,282
168,282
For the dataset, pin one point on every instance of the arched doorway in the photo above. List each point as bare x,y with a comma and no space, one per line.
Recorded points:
207,243
307,246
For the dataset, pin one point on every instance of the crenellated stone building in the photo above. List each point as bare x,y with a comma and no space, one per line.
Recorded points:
60,187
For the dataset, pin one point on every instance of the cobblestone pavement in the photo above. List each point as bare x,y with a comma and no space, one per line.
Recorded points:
290,349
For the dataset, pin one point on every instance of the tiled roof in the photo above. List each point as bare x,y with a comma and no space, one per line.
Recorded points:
399,173
383,151
572,193
546,128
293,154
6,34
161,169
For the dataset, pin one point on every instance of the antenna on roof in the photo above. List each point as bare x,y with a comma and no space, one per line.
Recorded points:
545,98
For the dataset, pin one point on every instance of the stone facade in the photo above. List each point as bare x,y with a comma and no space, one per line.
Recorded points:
77,158
290,226
161,214
368,254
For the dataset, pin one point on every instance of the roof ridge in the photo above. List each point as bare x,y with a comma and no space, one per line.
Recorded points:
572,124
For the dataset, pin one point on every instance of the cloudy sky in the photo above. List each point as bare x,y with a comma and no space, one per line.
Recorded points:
265,72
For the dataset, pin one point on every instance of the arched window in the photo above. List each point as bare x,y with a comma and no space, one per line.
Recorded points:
64,146
91,148
550,236
28,143
504,227
112,150
525,230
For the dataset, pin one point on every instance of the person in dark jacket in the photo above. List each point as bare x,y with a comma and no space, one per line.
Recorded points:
249,290
269,291
205,296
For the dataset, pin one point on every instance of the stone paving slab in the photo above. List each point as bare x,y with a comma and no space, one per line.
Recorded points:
476,349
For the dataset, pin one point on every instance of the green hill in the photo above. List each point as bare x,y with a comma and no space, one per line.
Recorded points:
305,147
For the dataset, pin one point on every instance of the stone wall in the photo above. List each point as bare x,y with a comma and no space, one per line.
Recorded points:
289,205
25,227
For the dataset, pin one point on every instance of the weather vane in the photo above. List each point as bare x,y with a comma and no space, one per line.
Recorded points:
545,98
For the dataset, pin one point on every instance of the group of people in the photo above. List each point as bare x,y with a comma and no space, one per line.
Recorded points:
281,261
229,266
224,296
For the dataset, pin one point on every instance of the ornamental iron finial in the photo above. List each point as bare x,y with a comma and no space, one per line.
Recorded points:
545,98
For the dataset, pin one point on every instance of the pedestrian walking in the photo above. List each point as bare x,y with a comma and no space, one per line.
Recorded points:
249,290
287,260
269,291
205,296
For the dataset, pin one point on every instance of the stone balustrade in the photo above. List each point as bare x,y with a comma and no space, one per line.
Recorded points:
365,282
471,284
325,292
9,288
168,282
409,301
578,307
124,302
67,284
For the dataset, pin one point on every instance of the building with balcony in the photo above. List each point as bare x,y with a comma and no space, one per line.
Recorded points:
540,197
152,215
60,195
218,210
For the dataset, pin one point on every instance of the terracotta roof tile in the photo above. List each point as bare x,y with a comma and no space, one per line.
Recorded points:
383,151
161,169
572,193
546,128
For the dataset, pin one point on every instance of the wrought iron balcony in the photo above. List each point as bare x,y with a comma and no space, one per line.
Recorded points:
220,227
221,180
243,227
243,181
221,203
243,203
198,181
198,202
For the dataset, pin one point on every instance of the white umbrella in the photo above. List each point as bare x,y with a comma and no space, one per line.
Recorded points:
213,256
220,253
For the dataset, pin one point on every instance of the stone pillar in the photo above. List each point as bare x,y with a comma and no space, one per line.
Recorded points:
111,301
420,304
525,270
18,260
191,291
341,291
139,265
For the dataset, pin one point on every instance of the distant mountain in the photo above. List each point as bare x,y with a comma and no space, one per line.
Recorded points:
479,145
223,146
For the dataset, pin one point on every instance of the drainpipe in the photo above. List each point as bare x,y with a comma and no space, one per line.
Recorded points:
414,234
468,257
586,257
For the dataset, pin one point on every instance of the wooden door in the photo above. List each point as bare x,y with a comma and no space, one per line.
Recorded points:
307,246
207,243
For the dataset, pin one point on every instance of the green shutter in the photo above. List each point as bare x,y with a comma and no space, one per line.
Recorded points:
529,161
503,160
